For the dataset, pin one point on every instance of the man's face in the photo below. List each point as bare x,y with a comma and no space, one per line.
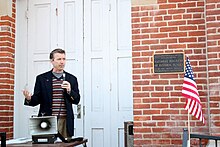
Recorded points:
58,62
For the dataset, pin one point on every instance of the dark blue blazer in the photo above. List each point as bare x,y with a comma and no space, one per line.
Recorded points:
43,95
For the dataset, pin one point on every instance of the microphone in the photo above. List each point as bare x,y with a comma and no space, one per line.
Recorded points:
64,76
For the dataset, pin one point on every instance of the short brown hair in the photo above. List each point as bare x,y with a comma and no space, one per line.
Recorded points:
57,50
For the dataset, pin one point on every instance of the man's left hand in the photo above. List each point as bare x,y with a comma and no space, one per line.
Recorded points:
66,85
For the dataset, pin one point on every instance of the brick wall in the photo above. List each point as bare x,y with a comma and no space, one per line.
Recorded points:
7,51
213,51
172,26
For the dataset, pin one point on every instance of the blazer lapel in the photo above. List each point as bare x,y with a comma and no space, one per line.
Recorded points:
48,85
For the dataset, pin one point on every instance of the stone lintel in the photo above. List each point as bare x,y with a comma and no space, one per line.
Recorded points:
143,2
6,8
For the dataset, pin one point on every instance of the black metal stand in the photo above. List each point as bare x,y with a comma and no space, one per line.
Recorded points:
200,137
3,139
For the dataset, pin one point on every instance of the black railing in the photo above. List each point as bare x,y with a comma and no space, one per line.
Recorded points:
200,137
3,139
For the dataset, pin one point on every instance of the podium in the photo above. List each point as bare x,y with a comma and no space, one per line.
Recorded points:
60,144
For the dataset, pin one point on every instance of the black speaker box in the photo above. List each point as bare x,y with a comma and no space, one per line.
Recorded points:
43,139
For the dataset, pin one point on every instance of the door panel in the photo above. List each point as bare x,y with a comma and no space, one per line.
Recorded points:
70,37
121,69
52,25
39,43
97,81
123,25
108,74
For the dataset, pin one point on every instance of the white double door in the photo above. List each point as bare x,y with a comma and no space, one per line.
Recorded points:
96,35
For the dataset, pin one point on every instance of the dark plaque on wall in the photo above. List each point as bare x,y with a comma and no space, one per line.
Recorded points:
168,63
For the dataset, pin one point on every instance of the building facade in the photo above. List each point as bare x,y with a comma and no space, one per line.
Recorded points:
158,27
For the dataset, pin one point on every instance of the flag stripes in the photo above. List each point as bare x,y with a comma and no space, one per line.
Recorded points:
190,92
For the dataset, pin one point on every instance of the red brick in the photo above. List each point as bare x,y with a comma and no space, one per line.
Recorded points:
167,6
187,5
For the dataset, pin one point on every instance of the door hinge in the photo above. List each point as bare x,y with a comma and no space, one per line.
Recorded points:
26,14
56,11
110,87
110,7
84,111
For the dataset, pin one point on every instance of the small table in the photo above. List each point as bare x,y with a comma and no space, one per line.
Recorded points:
60,144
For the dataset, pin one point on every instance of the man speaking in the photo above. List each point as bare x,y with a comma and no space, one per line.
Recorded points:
55,91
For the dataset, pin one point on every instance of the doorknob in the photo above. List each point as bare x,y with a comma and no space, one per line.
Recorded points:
79,111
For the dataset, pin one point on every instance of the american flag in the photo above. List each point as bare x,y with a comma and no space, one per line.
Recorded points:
190,92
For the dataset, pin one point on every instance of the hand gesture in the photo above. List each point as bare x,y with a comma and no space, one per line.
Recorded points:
27,94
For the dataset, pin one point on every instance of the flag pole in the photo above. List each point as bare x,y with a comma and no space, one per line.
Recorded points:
188,142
